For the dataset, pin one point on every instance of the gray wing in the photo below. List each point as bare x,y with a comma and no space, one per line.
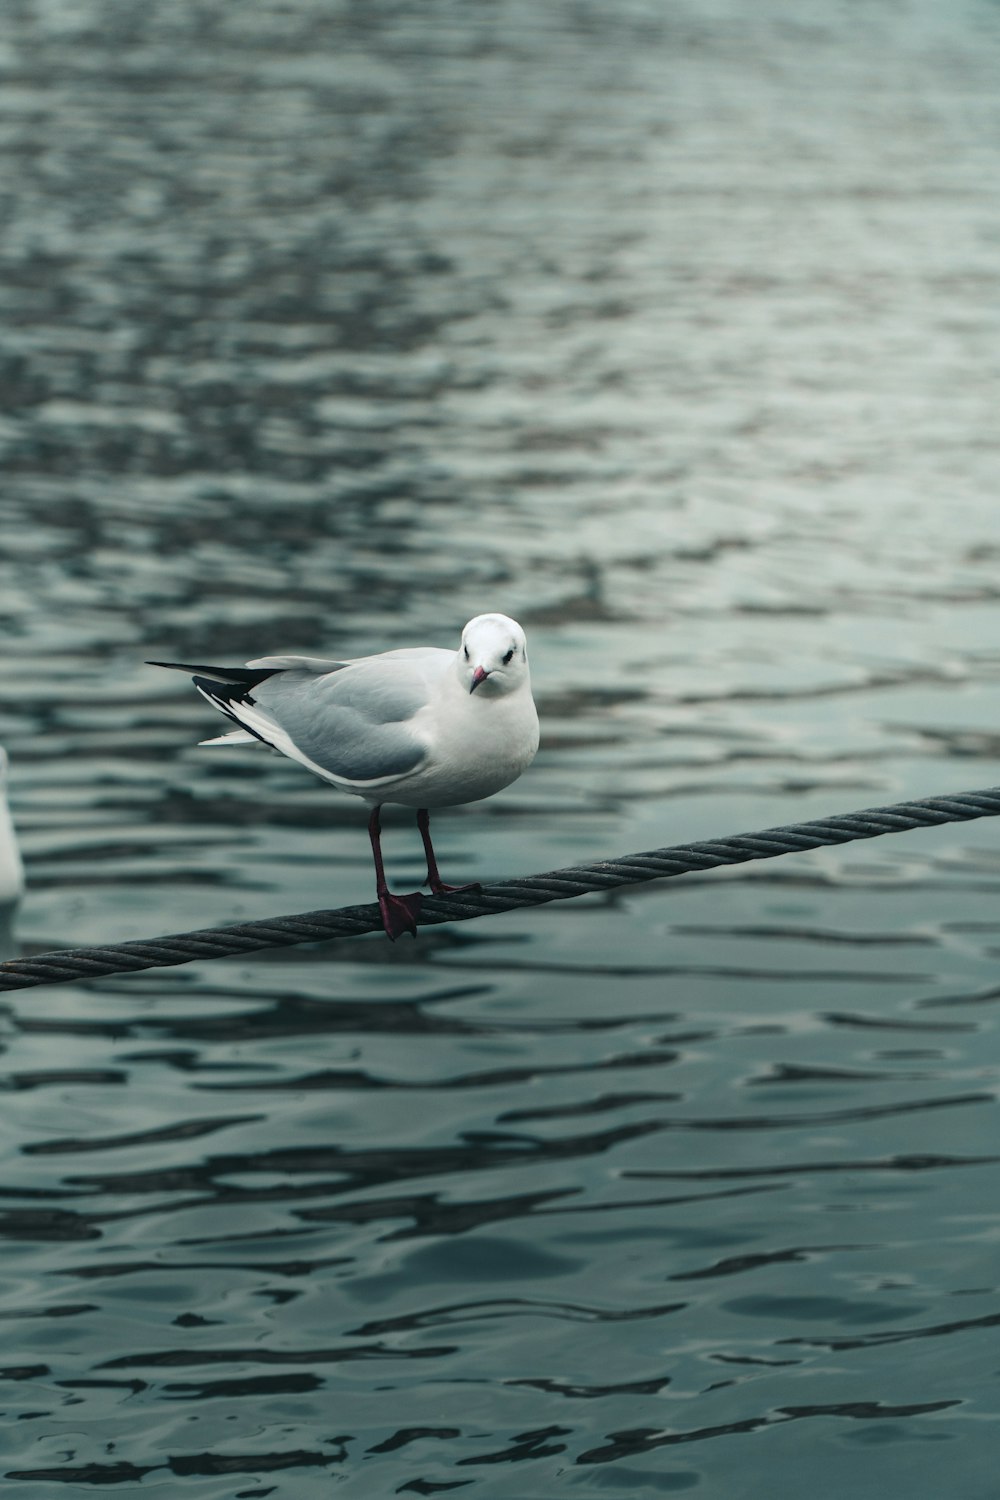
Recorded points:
354,723
314,664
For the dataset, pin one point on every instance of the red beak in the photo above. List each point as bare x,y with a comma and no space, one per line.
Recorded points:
478,676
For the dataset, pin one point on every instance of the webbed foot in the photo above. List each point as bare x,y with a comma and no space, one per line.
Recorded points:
440,888
399,913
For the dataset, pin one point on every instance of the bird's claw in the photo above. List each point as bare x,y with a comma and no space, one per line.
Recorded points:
399,913
440,888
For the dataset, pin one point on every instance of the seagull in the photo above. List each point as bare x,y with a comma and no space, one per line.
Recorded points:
420,726
11,868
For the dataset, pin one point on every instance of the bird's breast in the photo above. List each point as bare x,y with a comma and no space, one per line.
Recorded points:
473,751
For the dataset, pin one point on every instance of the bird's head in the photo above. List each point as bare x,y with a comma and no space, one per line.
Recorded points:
493,656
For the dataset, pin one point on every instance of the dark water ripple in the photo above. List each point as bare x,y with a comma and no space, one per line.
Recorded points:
671,330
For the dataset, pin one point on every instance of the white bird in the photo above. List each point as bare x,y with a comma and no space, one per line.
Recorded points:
420,726
11,868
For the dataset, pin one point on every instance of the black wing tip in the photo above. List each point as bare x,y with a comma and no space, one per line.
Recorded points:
223,695
191,666
222,692
239,677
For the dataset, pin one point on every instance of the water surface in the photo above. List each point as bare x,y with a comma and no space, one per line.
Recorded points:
672,331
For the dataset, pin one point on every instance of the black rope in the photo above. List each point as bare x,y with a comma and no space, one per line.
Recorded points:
507,895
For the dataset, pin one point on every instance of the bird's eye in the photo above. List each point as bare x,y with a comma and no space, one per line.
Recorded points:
507,658
466,650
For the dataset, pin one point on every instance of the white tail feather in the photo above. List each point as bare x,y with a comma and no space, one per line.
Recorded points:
235,737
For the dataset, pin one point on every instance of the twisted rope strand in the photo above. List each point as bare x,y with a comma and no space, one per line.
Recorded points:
68,964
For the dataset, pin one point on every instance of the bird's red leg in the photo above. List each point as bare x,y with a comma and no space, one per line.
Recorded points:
434,880
399,913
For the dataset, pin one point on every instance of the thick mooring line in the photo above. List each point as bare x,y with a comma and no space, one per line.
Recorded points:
64,965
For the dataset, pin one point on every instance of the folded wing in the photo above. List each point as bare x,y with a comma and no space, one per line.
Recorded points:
356,724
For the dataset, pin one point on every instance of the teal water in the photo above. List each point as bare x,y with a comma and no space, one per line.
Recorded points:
672,331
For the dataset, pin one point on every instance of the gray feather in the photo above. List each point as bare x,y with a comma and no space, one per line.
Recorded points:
318,665
356,723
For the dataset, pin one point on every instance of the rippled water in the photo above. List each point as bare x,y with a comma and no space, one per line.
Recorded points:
671,329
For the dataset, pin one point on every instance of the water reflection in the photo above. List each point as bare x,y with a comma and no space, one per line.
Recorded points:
667,333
